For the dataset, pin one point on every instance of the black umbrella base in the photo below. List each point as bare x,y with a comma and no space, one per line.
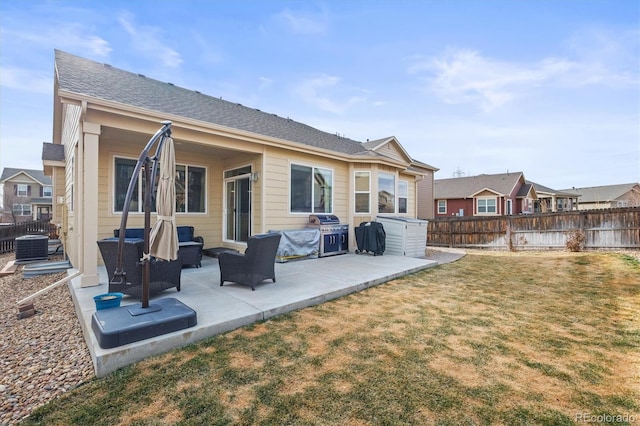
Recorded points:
127,324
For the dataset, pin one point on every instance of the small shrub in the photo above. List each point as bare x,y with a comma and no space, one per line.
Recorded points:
575,241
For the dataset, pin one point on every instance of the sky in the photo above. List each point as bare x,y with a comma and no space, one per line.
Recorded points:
548,88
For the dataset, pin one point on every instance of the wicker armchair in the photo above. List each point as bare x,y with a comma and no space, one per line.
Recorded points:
255,265
164,274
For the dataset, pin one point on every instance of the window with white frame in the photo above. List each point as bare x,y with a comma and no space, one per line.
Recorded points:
47,191
403,196
442,206
311,189
362,191
22,190
386,193
190,187
486,205
22,209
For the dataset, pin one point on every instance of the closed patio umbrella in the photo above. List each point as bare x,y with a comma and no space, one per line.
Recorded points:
163,242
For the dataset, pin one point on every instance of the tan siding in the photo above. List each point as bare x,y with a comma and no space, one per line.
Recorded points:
208,225
425,197
486,194
391,150
278,163
70,137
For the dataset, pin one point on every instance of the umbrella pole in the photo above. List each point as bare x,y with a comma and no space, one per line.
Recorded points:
146,261
120,274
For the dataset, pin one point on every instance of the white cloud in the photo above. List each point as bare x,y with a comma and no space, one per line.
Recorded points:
325,91
26,80
147,40
462,76
308,23
265,83
208,54
465,76
66,36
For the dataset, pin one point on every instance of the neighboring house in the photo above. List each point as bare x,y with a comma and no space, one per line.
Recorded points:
27,195
240,171
484,195
607,196
551,200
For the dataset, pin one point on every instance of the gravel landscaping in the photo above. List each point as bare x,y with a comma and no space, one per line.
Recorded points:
42,356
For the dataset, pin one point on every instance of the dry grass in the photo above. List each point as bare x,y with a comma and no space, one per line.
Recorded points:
495,338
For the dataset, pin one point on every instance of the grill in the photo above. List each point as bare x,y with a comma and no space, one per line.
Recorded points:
334,237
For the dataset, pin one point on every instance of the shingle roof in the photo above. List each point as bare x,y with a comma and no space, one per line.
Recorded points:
52,152
101,81
38,175
603,193
465,187
524,190
545,189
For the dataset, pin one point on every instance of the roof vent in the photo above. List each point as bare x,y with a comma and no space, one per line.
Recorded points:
141,75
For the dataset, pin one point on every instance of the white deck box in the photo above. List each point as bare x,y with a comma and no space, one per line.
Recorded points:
405,236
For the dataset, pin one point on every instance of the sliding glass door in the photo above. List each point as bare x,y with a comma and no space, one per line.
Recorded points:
238,204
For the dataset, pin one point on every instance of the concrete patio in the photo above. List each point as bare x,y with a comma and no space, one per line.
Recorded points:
300,284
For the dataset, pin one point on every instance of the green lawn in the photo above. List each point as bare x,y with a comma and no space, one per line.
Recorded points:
495,338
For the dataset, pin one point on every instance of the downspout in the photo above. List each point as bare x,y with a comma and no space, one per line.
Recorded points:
416,195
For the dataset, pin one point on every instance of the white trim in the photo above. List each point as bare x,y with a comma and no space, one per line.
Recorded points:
368,191
313,168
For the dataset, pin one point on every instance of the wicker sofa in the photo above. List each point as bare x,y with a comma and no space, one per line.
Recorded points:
164,274
189,246
255,265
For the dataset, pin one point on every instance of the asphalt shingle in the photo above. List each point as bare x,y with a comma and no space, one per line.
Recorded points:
83,76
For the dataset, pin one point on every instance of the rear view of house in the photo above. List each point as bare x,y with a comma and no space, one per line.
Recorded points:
240,171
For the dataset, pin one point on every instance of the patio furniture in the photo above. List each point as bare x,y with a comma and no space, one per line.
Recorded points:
255,265
163,274
189,246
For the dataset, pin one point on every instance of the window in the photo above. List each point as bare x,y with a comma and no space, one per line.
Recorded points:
403,196
47,191
190,187
123,171
22,190
311,189
22,209
363,192
386,193
442,206
486,205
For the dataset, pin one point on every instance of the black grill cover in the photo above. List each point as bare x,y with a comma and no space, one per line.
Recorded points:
370,236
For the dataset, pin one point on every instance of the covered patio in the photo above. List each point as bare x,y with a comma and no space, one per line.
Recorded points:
300,284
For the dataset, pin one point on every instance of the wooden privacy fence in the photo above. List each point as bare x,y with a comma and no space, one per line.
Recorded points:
9,233
602,229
